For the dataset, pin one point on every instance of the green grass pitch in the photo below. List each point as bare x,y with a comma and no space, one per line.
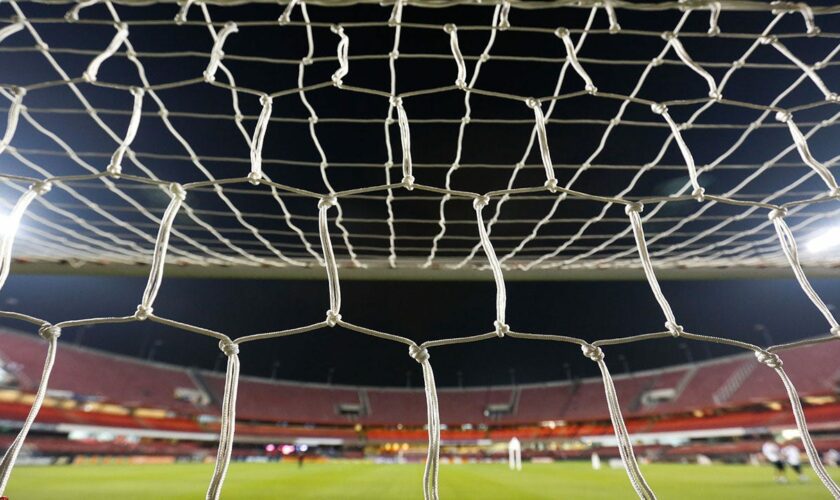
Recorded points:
348,480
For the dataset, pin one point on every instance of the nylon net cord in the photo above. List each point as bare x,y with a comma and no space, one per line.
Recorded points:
112,177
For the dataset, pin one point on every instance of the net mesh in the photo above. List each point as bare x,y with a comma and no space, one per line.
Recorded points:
369,137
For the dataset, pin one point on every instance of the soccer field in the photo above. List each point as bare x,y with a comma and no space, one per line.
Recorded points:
344,480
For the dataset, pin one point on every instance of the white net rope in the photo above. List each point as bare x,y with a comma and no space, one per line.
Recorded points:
63,207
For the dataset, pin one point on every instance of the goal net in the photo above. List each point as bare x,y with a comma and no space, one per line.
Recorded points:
508,140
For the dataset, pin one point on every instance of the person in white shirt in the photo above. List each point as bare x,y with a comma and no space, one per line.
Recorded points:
792,456
773,454
831,457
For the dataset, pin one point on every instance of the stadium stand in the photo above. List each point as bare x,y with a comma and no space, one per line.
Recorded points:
814,371
396,406
538,404
268,400
706,382
95,376
97,390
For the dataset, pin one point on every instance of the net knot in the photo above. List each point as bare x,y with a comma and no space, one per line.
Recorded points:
633,206
408,182
396,101
178,191
659,108
832,97
532,102
450,28
561,32
699,194
208,76
49,332
783,116
767,39
481,202
229,347
504,13
668,36
777,213
420,354
501,329
216,53
254,178
41,187
327,202
286,16
784,7
114,170
551,184
770,359
333,317
394,54
835,193
675,329
143,312
836,331
181,16
592,352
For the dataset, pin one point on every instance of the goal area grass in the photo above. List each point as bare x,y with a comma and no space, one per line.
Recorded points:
357,480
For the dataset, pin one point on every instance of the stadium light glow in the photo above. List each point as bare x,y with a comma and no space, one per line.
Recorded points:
287,449
824,240
8,225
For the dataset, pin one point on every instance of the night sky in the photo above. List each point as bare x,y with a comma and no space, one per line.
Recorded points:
421,311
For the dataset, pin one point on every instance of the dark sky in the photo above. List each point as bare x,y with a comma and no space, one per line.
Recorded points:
421,311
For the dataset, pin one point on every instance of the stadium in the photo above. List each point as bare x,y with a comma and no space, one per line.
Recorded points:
501,249
109,409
